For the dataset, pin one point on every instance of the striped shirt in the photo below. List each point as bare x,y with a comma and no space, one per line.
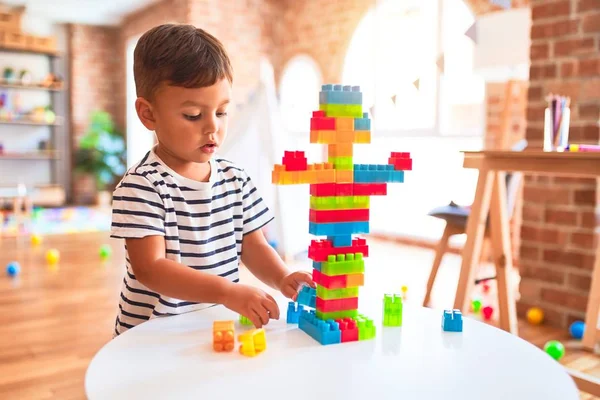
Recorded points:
203,224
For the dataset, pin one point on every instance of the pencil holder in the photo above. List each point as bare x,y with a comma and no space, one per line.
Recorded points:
556,129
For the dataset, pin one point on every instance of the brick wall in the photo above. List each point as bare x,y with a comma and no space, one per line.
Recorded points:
557,251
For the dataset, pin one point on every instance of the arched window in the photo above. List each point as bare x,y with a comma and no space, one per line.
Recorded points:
299,93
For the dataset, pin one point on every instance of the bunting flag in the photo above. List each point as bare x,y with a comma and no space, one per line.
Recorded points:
506,4
394,99
440,63
471,33
372,111
416,84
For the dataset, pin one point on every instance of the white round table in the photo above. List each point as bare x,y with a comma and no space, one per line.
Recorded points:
172,358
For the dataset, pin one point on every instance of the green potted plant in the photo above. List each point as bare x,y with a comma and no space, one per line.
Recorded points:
100,159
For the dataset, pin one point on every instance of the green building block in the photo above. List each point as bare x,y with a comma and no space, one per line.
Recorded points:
328,294
366,328
244,320
336,314
343,264
392,310
339,202
342,110
343,163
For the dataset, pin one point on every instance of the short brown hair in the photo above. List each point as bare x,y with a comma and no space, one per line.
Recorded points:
180,55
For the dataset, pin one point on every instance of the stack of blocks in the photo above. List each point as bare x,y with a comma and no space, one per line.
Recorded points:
339,208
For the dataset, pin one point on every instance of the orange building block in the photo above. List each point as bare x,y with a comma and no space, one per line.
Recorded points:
363,137
253,342
223,336
344,124
344,176
340,150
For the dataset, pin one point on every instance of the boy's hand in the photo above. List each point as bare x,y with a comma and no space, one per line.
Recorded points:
252,303
291,283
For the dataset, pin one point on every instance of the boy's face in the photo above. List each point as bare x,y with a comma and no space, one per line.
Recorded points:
190,124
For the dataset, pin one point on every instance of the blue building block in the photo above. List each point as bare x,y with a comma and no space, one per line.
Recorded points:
362,124
324,332
452,321
317,265
338,94
307,296
377,173
293,312
341,240
337,228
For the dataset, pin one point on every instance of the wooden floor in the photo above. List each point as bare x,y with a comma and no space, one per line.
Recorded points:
54,319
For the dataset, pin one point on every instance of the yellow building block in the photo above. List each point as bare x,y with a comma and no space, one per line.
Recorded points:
340,150
253,342
223,336
362,137
344,176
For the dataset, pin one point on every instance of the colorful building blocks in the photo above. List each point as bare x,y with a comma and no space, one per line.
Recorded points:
293,312
452,321
253,342
245,320
392,310
223,336
339,209
307,296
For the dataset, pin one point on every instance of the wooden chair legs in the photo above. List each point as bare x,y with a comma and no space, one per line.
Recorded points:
449,230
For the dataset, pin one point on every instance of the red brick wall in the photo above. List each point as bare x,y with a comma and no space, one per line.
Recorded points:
93,82
557,249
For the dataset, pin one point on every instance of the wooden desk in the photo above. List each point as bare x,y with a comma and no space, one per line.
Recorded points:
491,196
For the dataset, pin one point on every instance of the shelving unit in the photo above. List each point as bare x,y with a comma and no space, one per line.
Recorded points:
44,191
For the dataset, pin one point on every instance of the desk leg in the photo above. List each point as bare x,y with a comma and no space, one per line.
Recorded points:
593,306
502,255
475,232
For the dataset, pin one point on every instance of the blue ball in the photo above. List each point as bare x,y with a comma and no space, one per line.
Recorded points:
576,329
13,268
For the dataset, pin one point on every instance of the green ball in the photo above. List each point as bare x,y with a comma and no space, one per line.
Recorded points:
105,251
476,304
555,349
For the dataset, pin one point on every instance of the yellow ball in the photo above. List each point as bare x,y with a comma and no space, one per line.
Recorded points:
52,256
535,315
36,239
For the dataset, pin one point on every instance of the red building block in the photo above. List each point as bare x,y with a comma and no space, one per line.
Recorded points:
294,161
326,216
349,329
338,281
348,189
319,122
319,250
370,189
400,161
350,303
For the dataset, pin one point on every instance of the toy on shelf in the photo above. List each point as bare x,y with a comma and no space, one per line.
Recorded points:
105,251
13,268
535,315
392,310
223,336
576,329
52,256
555,349
452,321
340,191
253,342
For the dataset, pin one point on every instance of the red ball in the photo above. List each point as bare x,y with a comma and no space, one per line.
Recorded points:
486,288
487,312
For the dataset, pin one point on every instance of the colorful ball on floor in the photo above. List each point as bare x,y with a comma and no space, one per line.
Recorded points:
105,251
36,239
487,312
52,256
13,268
535,315
576,329
555,349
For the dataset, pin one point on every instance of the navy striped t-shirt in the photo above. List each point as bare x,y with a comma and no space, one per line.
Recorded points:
203,224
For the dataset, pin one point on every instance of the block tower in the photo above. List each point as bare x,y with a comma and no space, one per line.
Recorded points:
339,208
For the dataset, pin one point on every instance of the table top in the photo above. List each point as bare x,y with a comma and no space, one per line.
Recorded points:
172,358
581,164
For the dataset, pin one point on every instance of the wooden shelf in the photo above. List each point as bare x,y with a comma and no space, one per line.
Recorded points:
34,155
28,123
29,51
29,87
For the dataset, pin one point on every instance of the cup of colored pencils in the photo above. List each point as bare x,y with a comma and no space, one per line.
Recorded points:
557,118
